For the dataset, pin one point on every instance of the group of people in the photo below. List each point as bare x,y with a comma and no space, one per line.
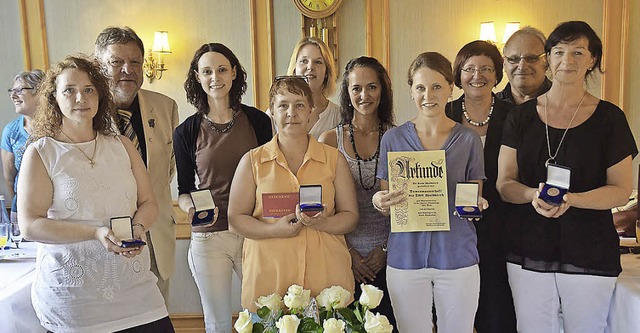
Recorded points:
100,147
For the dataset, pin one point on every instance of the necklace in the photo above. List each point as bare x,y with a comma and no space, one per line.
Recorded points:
91,159
475,123
226,128
375,156
552,158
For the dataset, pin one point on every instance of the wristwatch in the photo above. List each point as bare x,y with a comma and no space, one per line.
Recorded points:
384,247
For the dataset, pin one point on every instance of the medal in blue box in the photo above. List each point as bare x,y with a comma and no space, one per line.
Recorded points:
558,180
122,228
203,205
311,199
467,200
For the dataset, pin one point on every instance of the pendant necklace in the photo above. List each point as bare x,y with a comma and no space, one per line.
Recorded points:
226,128
91,159
475,123
360,159
552,158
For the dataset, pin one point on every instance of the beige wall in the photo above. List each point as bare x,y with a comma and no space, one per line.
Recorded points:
633,83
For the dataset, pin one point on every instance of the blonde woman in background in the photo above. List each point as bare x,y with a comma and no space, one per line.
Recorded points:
312,59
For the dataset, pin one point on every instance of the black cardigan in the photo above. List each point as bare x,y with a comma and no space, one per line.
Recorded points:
186,135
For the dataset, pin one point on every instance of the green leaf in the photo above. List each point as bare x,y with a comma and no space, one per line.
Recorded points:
308,325
257,328
263,312
358,315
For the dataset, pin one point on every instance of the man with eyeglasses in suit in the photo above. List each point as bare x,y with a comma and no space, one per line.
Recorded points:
525,64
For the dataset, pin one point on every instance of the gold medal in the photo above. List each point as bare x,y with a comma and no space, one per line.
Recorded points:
203,215
552,192
469,209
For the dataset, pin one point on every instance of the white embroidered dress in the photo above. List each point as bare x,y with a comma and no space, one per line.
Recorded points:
80,287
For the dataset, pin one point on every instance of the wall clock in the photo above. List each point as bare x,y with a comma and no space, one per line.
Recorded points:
317,9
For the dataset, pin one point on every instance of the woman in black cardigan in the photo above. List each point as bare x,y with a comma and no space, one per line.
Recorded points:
209,145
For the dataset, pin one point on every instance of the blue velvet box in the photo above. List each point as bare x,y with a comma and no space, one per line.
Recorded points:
311,199
467,200
557,185
204,206
122,227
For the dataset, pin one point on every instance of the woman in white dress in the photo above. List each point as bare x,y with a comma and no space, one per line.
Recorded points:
75,176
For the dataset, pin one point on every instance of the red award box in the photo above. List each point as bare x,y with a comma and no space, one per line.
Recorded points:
277,205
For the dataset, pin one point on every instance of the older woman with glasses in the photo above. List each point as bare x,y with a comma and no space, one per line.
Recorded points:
308,249
16,133
477,70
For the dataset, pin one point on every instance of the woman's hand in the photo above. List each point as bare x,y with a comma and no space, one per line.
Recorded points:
383,200
361,272
288,226
110,242
547,210
310,221
376,259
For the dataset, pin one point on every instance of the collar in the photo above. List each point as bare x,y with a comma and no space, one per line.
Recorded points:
271,151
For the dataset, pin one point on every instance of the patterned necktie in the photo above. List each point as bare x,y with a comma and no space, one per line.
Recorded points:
126,128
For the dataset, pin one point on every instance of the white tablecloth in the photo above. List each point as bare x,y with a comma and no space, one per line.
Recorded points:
16,275
624,314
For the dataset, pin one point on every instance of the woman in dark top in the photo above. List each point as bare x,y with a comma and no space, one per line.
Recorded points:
209,144
477,70
565,257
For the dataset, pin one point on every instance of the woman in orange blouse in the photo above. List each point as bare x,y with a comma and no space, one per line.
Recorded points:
297,248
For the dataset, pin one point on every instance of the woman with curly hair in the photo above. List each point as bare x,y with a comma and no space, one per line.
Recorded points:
75,176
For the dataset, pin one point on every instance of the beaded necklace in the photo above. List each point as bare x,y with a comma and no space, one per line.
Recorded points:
360,159
475,123
226,128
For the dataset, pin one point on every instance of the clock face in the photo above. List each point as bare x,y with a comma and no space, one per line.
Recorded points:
317,5
317,8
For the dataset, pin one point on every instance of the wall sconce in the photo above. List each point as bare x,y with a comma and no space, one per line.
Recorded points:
488,31
153,67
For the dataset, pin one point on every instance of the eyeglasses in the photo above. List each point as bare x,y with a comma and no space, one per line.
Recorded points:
481,70
18,91
530,59
291,77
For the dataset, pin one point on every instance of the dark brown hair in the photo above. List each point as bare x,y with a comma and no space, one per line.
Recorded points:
478,48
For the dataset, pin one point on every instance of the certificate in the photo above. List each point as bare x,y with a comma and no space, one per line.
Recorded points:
422,175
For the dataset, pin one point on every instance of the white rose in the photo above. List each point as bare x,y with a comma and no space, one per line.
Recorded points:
333,325
244,323
273,302
297,297
288,324
376,323
371,296
335,297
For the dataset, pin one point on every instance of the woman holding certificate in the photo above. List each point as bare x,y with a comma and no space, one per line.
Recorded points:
283,245
367,112
209,144
565,161
438,266
77,178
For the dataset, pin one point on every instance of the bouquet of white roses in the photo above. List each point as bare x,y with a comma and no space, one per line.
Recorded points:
297,312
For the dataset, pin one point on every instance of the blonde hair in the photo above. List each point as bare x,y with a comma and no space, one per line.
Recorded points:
329,83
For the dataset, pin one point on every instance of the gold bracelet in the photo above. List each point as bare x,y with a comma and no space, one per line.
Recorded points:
139,225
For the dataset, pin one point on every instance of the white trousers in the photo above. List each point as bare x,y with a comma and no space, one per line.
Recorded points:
213,256
539,298
455,293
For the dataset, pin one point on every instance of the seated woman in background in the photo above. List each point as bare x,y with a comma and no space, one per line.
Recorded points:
209,144
308,250
438,267
313,59
564,258
75,177
366,101
15,134
477,70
